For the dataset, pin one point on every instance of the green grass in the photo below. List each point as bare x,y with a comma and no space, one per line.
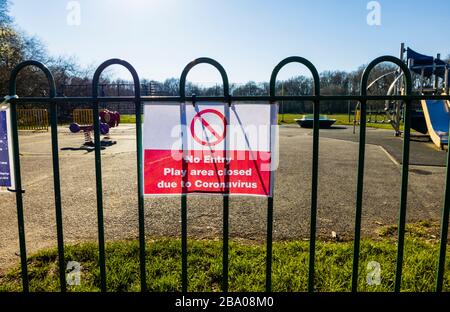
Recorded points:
128,119
341,119
247,266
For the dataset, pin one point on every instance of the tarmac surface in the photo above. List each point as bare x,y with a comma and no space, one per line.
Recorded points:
420,145
336,197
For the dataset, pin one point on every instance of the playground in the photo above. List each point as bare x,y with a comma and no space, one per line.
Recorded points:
337,184
100,172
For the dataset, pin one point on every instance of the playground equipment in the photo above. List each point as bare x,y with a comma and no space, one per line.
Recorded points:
307,121
437,117
107,119
375,115
85,117
433,79
112,119
430,76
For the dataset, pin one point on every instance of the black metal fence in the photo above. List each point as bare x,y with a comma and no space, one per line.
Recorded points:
316,98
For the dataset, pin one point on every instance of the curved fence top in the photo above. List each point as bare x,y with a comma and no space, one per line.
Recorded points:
294,59
391,59
204,60
219,67
20,66
115,61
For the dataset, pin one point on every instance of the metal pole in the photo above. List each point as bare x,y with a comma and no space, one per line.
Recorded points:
17,173
436,77
349,104
446,79
19,193
422,78
315,172
355,117
99,190
444,229
57,191
282,102
184,262
402,51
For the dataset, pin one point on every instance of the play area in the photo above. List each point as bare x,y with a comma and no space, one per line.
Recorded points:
430,76
338,154
171,153
338,157
83,122
429,118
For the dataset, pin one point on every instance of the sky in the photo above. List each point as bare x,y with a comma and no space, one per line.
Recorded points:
248,37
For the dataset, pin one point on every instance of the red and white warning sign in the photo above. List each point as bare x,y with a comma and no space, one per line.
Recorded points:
205,122
209,148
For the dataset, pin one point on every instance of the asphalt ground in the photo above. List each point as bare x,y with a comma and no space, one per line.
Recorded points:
336,194
423,152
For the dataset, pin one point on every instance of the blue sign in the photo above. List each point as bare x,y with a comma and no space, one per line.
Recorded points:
5,162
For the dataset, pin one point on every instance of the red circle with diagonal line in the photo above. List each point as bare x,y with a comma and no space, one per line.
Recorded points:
217,135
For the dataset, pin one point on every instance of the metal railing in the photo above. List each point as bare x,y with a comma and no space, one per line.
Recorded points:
32,119
82,116
316,98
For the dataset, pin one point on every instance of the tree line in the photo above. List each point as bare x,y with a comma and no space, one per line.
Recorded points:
72,79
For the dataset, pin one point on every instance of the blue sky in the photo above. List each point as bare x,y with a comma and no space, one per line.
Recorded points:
248,37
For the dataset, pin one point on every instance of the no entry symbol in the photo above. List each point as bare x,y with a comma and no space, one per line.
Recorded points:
209,127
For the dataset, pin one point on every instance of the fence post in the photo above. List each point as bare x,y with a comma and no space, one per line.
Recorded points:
98,170
225,260
405,167
315,171
444,229
56,174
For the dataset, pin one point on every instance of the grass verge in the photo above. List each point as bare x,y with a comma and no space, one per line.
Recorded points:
341,119
129,119
247,266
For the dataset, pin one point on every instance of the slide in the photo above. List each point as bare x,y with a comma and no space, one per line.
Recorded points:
437,116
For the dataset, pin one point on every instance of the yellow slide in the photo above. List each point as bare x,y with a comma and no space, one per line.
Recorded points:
437,117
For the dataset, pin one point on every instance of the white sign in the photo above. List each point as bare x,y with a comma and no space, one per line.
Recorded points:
212,148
